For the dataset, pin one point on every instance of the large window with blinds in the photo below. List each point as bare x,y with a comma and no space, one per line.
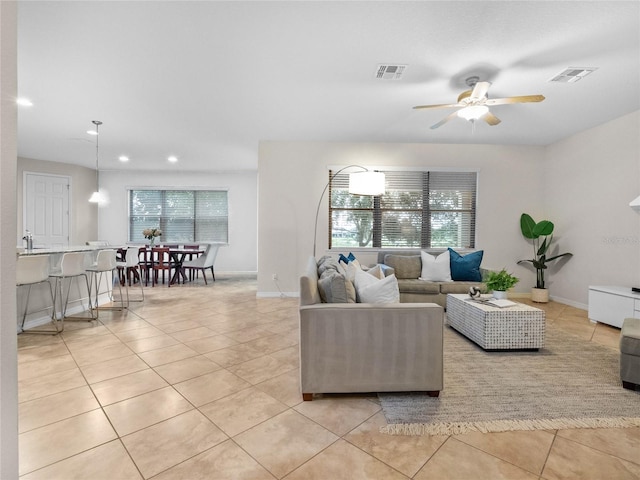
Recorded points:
423,209
183,216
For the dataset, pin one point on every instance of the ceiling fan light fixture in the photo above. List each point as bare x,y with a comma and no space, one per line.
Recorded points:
473,112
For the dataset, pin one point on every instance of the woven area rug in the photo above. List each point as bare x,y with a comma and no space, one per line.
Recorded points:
571,383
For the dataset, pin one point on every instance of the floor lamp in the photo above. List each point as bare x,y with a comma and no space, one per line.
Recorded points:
366,182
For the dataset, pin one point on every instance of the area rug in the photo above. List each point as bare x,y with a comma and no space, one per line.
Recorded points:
571,383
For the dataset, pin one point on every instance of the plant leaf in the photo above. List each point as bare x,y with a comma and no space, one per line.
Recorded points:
527,224
544,227
561,255
543,247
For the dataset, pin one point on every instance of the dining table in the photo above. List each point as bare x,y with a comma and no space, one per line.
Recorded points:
178,256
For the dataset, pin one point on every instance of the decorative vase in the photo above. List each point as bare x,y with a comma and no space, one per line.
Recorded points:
499,294
540,295
152,241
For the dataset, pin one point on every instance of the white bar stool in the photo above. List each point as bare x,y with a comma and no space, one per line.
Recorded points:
71,266
131,264
105,262
33,270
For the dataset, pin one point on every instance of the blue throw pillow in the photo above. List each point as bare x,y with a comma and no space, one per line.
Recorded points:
466,268
348,259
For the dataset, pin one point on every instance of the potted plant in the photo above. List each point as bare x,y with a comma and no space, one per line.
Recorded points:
500,282
541,235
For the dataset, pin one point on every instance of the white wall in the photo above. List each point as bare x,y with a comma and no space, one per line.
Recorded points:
8,154
291,177
82,222
241,253
589,180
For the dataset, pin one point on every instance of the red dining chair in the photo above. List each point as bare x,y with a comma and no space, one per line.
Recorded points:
161,261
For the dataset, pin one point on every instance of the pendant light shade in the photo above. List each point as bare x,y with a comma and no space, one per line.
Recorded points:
96,197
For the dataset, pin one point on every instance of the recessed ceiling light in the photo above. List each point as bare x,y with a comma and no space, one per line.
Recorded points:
172,159
24,102
123,158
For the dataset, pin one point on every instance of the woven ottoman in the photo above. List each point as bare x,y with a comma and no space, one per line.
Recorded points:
630,353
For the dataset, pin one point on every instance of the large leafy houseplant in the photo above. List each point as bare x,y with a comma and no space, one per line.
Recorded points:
500,281
541,235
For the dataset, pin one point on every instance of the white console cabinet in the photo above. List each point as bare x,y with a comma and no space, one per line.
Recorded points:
611,305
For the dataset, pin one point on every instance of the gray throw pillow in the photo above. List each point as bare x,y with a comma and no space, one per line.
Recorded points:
405,266
335,288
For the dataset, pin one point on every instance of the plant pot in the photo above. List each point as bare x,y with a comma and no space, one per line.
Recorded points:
499,294
540,295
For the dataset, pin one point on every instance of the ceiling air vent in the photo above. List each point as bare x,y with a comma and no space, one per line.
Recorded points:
390,72
572,74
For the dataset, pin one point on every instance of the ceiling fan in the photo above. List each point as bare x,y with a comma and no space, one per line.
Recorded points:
474,104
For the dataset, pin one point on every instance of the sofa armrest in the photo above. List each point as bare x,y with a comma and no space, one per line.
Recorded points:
360,347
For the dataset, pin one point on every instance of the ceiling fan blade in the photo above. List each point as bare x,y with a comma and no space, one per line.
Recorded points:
444,105
520,99
444,120
491,119
480,90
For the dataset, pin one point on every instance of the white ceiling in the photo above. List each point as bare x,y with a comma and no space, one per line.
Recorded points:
207,81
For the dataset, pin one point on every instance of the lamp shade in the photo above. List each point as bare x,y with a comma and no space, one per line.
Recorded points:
473,112
96,197
366,183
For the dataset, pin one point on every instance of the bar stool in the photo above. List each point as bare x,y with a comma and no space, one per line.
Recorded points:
131,265
33,270
105,262
71,266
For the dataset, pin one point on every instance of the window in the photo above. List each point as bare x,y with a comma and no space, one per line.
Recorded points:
182,215
419,210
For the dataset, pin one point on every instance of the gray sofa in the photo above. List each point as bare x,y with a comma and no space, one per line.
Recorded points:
407,265
360,347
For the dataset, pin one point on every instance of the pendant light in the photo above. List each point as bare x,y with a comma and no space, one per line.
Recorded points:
95,196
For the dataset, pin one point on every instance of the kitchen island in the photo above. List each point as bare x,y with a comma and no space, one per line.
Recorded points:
39,298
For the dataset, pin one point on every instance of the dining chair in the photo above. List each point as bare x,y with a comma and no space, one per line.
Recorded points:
145,261
161,261
189,257
204,261
131,270
30,271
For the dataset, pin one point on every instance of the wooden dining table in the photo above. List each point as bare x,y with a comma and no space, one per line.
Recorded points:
178,256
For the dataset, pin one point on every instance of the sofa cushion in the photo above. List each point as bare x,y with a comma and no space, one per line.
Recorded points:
460,287
405,266
371,289
435,268
335,288
418,286
466,267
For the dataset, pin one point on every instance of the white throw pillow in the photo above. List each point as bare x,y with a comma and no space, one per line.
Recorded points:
436,269
376,272
351,268
370,289
383,291
363,279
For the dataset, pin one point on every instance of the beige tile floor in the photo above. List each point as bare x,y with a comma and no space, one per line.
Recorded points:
201,382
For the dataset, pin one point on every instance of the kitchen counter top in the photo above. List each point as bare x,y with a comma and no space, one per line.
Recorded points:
50,251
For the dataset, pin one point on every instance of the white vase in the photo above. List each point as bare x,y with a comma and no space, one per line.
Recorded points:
499,294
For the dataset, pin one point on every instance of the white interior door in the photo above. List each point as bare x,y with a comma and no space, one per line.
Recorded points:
46,209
